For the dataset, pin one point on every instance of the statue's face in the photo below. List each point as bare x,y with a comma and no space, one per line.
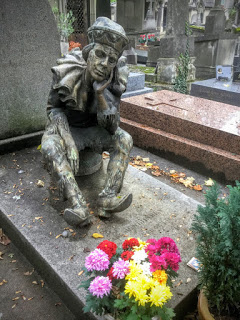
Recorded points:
101,61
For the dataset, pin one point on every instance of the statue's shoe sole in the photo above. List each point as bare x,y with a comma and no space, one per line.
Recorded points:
73,218
123,204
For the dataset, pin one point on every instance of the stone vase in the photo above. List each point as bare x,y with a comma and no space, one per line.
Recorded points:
64,47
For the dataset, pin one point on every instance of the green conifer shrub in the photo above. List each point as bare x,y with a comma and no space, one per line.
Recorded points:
217,227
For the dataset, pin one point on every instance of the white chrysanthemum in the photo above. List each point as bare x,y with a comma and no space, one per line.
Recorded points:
139,256
145,266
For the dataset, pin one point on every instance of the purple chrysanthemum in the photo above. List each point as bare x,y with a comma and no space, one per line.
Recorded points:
97,260
100,286
120,269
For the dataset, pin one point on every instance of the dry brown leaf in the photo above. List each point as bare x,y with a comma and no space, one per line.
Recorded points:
14,306
97,235
4,239
145,159
16,298
197,187
179,283
19,291
40,184
209,182
28,273
58,236
30,298
37,218
3,282
80,273
42,283
156,173
34,282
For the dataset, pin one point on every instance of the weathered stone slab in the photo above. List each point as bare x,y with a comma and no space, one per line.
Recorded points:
34,223
29,48
221,91
136,81
198,129
136,85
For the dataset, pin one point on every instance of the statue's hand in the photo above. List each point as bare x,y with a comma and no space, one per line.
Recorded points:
72,154
100,86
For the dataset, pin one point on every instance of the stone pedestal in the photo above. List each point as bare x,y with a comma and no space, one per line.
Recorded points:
167,70
89,162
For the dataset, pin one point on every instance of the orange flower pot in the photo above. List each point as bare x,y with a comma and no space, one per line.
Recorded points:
203,310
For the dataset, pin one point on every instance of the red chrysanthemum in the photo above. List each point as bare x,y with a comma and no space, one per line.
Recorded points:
110,274
130,243
126,255
108,247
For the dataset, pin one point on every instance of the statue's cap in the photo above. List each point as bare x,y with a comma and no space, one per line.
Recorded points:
106,31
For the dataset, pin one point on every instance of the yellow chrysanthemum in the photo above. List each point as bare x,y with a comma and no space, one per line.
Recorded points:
135,289
130,288
159,295
135,271
160,276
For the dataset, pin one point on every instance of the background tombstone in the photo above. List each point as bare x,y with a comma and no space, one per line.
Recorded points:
165,56
216,47
30,45
103,8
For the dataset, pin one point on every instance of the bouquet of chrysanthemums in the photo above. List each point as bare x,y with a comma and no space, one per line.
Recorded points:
133,281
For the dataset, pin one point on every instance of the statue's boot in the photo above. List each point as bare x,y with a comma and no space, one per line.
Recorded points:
115,203
78,214
112,203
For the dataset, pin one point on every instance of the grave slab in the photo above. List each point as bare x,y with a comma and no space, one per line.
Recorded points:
198,129
31,217
221,91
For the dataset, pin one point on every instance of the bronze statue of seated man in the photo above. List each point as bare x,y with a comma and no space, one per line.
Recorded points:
83,112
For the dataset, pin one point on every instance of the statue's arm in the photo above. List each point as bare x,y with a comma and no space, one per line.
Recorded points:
58,124
108,107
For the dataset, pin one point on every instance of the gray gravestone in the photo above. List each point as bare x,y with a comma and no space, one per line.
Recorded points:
221,91
29,48
165,56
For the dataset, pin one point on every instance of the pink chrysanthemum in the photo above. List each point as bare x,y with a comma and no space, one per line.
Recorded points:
100,286
157,263
120,269
172,259
161,245
97,260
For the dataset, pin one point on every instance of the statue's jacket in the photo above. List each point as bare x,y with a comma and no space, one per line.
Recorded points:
70,95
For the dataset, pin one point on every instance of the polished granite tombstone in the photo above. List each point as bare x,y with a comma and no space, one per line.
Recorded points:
198,129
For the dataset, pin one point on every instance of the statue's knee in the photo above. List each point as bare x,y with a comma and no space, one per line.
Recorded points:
52,150
125,141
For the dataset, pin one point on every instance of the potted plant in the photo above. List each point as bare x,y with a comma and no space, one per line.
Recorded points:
217,226
153,40
131,282
142,39
65,27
